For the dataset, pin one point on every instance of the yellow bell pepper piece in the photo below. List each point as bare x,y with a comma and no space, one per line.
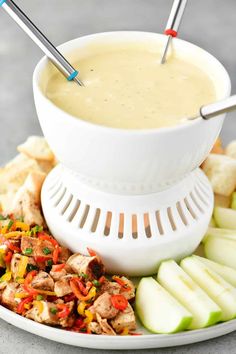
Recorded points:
22,267
45,292
27,306
39,306
20,280
21,295
125,331
89,316
13,234
92,292
21,225
81,308
4,230
6,276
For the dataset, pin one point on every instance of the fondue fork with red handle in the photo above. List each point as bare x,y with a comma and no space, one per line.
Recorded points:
173,24
39,38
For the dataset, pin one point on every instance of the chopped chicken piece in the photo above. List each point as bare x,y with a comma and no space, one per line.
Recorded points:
57,275
110,287
40,248
43,281
124,319
62,286
91,266
64,255
106,328
103,306
25,205
8,296
130,293
95,328
49,315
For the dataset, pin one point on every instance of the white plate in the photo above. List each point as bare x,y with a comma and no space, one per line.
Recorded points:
116,342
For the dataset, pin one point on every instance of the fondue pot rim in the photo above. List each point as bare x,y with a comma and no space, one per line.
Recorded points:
121,131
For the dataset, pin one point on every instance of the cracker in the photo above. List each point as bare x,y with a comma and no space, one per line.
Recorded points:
230,149
37,148
13,175
6,201
221,171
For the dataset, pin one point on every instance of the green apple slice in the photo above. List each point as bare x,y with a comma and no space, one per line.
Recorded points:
223,233
221,250
225,218
228,273
158,310
220,291
174,279
233,201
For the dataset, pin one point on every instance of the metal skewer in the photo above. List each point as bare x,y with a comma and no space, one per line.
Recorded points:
173,24
214,109
39,38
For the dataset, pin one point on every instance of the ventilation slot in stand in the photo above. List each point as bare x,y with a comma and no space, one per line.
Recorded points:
190,209
96,220
134,226
121,226
171,219
84,218
159,223
181,213
108,224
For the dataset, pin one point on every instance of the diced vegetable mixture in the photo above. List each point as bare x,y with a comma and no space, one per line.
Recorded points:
45,282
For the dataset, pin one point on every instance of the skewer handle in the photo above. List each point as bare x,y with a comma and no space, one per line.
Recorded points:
217,108
39,38
176,15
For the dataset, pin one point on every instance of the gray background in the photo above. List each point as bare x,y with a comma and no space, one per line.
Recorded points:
208,23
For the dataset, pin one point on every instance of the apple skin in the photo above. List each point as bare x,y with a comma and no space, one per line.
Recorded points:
221,233
219,290
149,296
181,286
221,250
225,218
228,273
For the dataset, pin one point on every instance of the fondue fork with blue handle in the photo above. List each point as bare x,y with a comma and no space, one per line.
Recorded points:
173,24
215,109
39,38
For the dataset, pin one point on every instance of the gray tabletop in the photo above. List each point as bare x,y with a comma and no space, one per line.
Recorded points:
208,23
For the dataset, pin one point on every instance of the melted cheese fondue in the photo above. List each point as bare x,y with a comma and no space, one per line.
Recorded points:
129,89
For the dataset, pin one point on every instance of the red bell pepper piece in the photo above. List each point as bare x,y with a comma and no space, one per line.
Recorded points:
58,267
45,237
8,257
64,311
91,252
21,307
55,254
122,283
12,247
28,281
119,302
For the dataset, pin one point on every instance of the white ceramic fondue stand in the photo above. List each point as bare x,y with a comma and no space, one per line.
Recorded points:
134,196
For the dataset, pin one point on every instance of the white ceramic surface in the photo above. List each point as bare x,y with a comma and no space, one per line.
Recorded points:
128,161
169,224
116,342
